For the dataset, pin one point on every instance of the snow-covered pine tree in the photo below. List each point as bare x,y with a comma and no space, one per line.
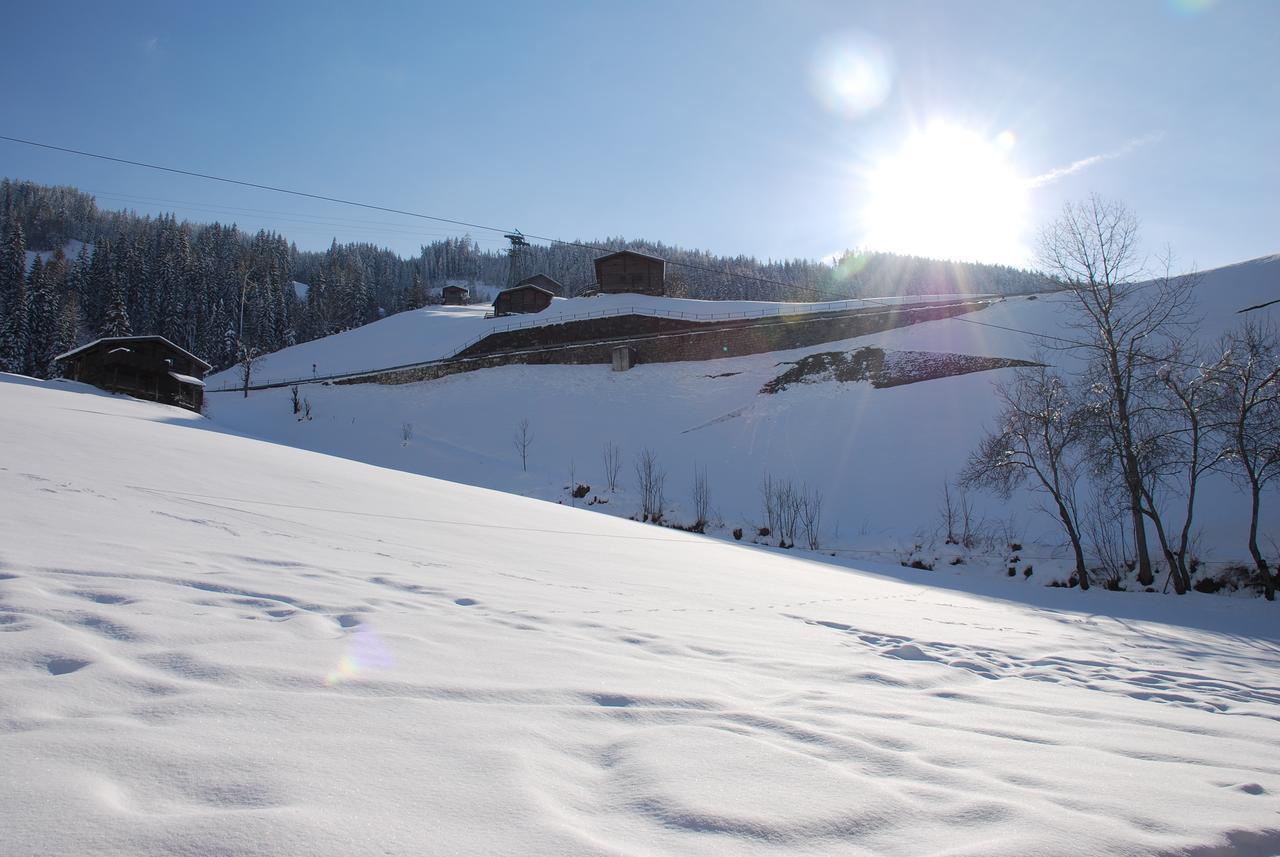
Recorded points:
13,297
42,289
115,321
67,334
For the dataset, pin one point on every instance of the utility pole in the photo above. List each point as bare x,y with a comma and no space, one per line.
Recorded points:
515,257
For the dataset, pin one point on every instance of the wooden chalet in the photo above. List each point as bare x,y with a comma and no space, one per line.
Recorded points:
542,281
145,367
520,299
454,295
628,271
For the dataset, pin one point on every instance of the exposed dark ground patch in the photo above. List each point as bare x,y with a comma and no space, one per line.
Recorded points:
883,368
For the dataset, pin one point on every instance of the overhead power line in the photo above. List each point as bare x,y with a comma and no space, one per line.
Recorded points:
416,214
501,230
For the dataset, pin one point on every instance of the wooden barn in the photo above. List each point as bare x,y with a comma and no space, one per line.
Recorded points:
520,299
145,367
454,295
627,271
542,281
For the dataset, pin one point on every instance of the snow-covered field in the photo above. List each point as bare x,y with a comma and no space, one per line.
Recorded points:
211,644
879,456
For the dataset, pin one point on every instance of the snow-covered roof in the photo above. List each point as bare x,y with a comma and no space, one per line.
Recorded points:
108,340
630,253
522,287
186,379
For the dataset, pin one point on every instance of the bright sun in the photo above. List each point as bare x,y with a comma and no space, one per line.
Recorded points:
948,193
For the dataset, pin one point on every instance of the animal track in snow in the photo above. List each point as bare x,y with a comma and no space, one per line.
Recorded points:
1161,686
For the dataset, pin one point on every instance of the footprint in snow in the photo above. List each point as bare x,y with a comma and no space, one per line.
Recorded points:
64,666
465,602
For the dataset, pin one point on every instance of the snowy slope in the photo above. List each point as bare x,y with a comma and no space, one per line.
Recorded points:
880,457
435,332
216,645
70,252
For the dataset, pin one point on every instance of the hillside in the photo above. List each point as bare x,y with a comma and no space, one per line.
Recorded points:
214,644
211,287
879,456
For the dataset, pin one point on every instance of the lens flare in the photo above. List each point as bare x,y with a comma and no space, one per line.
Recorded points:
1191,7
365,653
853,74
950,193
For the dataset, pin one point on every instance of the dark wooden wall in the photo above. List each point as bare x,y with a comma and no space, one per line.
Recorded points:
521,300
633,274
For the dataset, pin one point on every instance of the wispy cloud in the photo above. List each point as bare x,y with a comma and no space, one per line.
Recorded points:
1084,163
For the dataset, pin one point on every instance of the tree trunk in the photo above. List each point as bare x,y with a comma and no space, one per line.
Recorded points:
1268,582
1069,525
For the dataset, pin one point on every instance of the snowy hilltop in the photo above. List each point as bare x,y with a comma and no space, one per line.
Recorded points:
877,450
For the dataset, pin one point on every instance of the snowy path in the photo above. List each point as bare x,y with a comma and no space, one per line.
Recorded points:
215,645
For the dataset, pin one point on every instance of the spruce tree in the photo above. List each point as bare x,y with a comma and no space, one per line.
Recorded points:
67,335
115,321
13,297
42,318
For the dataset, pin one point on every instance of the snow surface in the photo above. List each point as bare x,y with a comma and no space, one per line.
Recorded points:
217,645
70,251
880,457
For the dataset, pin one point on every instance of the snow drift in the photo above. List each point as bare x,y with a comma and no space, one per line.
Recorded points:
211,644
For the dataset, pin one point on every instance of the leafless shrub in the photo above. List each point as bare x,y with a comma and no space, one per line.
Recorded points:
701,498
406,432
652,480
788,509
768,494
522,440
612,464
811,517
1108,543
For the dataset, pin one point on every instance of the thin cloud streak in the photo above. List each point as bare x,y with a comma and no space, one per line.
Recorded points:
1084,163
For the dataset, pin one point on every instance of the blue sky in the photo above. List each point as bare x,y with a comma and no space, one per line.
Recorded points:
696,123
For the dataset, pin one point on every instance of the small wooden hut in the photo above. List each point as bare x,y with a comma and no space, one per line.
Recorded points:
542,281
628,271
145,367
521,299
454,295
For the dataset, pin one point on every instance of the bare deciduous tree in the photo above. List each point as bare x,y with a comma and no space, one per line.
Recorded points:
1248,380
247,358
1125,321
522,440
1176,453
1038,441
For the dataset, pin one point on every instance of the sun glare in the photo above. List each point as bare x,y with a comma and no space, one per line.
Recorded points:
948,193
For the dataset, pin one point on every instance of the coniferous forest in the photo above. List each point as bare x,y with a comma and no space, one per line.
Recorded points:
71,272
